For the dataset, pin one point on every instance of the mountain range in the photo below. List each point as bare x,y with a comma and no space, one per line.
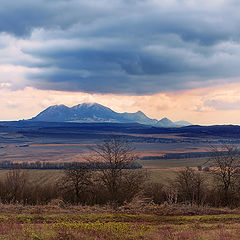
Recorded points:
94,112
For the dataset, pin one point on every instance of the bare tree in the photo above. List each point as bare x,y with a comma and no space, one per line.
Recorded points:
116,162
77,181
157,192
225,165
15,185
190,186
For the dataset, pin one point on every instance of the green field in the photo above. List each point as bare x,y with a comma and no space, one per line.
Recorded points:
173,163
118,226
159,170
39,176
163,170
52,176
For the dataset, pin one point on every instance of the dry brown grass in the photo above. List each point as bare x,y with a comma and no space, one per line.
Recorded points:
137,206
139,219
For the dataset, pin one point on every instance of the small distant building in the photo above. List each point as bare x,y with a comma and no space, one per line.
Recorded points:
199,168
206,169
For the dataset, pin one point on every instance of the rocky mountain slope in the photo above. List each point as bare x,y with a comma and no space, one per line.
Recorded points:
94,112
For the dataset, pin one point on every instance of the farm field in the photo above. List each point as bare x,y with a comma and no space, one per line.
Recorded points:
163,170
66,142
52,176
173,163
40,177
160,171
43,177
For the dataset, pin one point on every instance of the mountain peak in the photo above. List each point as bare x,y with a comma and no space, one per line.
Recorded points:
165,120
89,104
140,113
53,113
58,106
81,105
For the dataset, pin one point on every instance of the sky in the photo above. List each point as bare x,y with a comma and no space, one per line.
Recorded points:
178,59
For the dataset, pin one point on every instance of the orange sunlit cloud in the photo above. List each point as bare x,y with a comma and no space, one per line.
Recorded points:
213,105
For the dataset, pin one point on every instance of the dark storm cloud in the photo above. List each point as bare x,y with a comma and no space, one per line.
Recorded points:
21,17
133,47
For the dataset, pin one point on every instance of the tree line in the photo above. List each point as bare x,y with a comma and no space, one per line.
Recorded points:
108,177
7,164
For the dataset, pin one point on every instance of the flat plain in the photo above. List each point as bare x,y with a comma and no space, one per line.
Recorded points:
162,152
66,142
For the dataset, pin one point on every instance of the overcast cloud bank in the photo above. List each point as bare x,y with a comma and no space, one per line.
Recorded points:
123,47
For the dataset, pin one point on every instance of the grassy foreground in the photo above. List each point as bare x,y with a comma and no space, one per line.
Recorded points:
114,225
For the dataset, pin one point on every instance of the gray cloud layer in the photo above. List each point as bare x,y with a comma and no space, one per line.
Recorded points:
132,47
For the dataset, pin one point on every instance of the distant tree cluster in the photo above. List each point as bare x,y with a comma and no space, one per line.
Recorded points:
60,165
178,155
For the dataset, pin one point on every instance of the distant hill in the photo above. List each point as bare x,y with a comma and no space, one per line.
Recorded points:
183,123
165,122
94,112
